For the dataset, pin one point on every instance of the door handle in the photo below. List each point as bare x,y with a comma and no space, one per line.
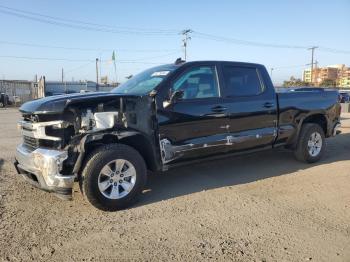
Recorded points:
218,109
268,105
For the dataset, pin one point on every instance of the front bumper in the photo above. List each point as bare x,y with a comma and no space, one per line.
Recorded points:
42,168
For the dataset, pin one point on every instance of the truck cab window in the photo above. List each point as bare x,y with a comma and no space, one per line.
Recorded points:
241,81
198,82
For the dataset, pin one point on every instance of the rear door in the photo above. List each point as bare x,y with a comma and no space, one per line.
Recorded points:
251,106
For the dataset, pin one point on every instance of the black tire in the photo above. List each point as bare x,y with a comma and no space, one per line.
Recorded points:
2,104
302,151
94,164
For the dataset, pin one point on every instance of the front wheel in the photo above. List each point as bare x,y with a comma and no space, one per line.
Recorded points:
113,177
311,143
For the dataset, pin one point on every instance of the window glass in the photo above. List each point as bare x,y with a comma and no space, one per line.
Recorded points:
146,81
198,82
241,81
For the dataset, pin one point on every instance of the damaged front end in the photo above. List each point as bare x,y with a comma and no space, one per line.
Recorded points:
56,139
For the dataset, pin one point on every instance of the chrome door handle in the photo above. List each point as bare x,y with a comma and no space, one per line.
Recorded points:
218,109
268,105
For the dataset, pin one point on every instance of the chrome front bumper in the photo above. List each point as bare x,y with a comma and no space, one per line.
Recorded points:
42,168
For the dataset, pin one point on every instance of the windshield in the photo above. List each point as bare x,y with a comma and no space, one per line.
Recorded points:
146,81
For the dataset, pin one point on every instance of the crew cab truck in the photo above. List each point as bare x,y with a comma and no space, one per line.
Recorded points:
164,117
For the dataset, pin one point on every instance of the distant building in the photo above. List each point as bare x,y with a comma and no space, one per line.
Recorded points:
307,75
344,77
340,74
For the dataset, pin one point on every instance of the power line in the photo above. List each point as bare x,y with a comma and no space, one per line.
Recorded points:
331,50
88,49
141,61
260,44
89,23
80,24
153,57
44,58
244,42
79,67
291,66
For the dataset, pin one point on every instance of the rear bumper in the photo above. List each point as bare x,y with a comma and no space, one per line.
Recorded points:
42,167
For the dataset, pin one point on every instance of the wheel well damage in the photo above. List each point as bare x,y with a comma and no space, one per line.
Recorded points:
126,120
133,139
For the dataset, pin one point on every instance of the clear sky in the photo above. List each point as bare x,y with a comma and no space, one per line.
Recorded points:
145,33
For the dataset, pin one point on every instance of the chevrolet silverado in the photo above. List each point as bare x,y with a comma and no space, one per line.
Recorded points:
164,117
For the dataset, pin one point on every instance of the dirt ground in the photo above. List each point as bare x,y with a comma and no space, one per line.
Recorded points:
260,207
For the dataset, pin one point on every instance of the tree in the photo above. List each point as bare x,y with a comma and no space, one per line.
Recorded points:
295,82
328,83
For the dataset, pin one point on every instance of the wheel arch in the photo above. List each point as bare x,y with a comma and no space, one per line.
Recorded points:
316,118
136,140
319,119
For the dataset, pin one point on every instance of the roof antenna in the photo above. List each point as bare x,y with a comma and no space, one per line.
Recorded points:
179,61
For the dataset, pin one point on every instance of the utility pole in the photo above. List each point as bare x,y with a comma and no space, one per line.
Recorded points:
271,70
96,74
62,72
312,60
185,39
100,60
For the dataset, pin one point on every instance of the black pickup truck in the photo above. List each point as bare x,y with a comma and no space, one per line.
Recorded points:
164,117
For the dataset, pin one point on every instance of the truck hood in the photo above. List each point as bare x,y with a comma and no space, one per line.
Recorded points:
57,104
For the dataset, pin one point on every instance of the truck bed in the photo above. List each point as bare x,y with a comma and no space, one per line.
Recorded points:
297,104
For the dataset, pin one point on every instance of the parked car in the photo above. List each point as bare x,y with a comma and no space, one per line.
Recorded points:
164,117
344,97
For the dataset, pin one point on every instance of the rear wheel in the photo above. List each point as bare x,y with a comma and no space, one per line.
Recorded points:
114,177
311,143
2,104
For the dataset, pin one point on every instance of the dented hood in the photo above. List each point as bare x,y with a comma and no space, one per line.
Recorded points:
57,104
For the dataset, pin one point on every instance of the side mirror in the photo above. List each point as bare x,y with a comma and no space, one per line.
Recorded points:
177,95
174,97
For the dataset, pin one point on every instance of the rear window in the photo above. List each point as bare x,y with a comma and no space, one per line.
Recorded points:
241,81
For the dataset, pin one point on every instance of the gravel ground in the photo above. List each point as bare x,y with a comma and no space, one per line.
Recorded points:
260,207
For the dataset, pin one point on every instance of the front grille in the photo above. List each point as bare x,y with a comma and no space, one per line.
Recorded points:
41,134
31,142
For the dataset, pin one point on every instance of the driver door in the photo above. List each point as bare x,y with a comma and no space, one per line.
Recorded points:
195,125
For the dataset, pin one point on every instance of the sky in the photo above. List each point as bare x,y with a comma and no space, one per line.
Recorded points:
147,33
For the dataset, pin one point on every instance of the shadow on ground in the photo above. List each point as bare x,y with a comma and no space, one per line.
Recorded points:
236,170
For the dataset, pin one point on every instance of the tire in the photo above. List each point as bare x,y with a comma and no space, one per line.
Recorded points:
99,163
306,153
2,104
